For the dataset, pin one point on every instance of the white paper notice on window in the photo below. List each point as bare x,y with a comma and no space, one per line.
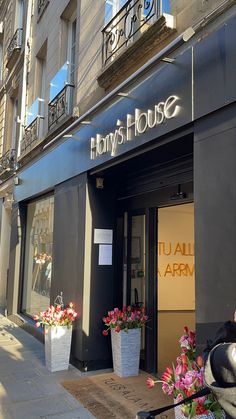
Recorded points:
105,254
103,236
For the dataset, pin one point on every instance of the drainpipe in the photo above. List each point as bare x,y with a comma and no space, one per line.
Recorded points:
25,69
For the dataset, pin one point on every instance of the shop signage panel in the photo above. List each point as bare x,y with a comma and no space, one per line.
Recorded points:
157,103
134,126
214,70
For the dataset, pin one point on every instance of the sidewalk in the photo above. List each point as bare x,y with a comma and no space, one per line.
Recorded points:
27,389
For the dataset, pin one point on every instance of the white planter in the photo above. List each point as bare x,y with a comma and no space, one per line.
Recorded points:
57,347
126,352
180,415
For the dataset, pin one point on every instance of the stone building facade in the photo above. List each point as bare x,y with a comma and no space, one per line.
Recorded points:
107,111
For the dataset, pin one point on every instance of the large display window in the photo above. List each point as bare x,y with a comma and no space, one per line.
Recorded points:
38,255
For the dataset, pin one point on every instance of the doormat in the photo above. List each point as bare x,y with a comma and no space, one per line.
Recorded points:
108,396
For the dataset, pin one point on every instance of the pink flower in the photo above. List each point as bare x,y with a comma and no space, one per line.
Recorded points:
179,398
167,389
150,382
178,369
105,332
199,361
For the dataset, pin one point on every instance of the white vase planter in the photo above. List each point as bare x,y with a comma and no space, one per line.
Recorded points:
126,352
57,347
180,415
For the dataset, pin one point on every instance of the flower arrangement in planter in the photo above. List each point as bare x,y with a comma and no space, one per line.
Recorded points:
57,324
126,319
55,315
125,326
186,378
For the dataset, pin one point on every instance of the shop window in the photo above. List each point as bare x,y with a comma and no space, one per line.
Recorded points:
38,255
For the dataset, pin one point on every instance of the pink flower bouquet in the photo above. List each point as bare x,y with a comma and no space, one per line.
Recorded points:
186,378
128,318
56,316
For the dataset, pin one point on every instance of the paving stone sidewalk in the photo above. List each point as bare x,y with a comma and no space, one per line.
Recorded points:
27,389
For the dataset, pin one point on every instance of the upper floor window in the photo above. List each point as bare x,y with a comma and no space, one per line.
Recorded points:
1,61
72,50
59,81
112,7
14,123
19,16
68,42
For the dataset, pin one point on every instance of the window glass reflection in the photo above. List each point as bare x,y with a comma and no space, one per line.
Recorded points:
38,256
59,81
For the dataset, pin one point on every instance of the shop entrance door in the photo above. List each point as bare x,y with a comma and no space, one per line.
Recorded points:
158,272
138,275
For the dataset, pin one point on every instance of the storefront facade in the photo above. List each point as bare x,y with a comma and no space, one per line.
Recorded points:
137,206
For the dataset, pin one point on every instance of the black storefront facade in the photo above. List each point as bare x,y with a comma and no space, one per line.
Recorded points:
154,165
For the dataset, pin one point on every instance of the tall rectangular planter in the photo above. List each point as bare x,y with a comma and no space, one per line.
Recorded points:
126,352
57,347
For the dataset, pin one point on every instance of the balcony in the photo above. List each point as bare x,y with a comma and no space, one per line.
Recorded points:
125,25
34,126
42,5
135,31
60,106
31,136
13,49
7,164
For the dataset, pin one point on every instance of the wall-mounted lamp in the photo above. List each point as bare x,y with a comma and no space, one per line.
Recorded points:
71,136
188,33
168,60
179,194
99,182
119,123
85,122
123,94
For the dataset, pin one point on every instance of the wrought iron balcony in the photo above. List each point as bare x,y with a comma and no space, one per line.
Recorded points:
131,20
7,163
15,44
42,5
31,135
60,106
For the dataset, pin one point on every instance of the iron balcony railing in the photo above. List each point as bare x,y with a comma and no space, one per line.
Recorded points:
42,5
60,106
16,42
8,161
31,135
127,25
